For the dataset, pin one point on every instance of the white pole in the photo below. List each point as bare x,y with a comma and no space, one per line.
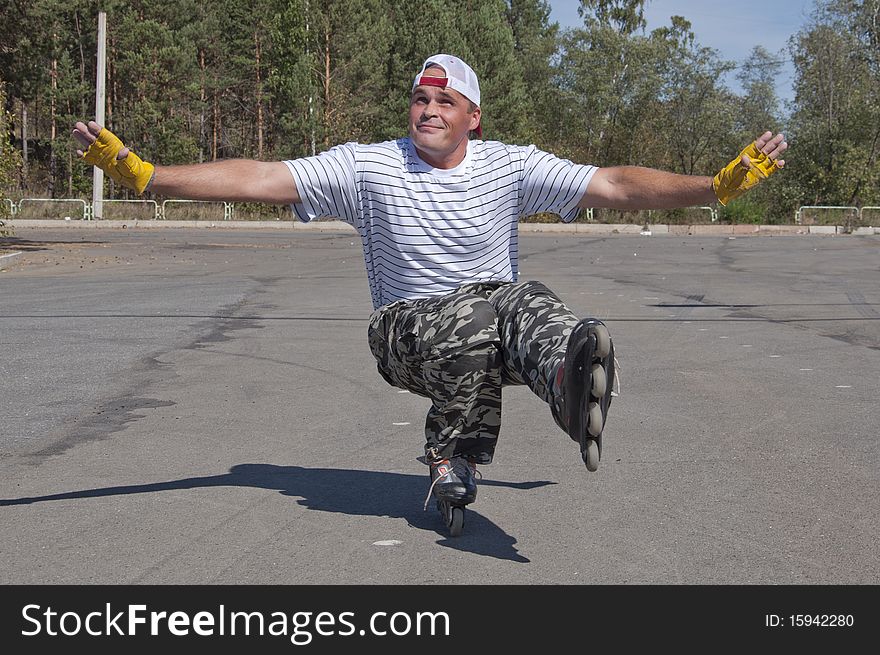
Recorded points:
98,174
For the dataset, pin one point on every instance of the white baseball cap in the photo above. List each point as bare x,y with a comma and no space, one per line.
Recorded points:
459,76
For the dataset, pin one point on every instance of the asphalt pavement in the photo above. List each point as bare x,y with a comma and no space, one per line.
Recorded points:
200,406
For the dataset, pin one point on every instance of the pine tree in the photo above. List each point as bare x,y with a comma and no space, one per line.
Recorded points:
10,162
535,41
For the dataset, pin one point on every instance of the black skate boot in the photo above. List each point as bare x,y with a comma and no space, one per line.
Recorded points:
587,381
454,485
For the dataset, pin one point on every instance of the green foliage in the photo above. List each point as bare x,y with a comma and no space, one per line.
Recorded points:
534,47
10,165
758,109
625,16
836,124
745,209
10,161
190,80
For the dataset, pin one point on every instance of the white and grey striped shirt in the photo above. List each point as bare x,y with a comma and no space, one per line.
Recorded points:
427,231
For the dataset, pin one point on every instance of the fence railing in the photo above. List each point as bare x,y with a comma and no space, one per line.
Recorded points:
151,205
86,207
713,213
159,211
228,207
862,213
799,214
156,211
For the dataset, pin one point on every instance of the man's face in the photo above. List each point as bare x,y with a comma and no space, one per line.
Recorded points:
439,119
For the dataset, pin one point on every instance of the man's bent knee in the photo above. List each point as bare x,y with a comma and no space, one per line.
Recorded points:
467,323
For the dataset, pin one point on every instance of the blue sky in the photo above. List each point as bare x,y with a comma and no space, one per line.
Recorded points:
732,27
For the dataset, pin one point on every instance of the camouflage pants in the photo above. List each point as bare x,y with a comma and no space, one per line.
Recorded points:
459,349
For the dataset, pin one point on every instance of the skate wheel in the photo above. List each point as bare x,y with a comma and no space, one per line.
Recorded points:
591,457
603,340
455,522
599,381
595,422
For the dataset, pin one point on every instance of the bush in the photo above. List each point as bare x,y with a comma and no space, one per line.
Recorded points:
743,210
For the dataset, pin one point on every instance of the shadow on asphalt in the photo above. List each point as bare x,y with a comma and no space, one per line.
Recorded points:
30,246
359,493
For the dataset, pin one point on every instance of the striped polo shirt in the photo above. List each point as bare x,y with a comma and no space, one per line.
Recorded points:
426,231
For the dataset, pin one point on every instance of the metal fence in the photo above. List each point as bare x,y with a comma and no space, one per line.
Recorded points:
870,210
150,207
196,209
27,202
849,213
210,210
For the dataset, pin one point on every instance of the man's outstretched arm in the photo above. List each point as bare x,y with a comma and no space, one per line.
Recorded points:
232,180
634,187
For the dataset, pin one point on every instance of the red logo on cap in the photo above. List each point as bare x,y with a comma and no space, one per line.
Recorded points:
433,81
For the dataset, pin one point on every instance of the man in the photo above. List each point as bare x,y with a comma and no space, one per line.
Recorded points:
437,214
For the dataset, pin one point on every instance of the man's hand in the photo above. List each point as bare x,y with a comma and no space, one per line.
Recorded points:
757,161
107,152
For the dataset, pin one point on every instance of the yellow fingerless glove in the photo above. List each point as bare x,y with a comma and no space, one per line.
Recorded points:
735,179
131,171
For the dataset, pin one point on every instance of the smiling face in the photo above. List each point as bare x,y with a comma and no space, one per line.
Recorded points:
439,122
